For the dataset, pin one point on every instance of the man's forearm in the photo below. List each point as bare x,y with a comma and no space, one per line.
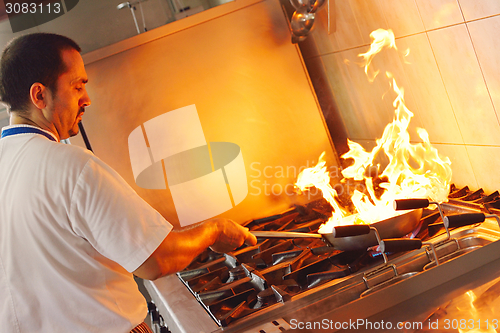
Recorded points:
179,248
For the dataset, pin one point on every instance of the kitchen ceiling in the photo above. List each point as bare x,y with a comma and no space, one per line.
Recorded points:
94,23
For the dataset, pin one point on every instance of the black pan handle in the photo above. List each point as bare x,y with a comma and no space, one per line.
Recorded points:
404,204
400,244
461,220
350,230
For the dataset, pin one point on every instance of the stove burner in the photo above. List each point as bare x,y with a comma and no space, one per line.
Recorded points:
264,298
236,273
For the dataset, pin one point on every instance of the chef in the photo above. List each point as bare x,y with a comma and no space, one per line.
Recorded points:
72,231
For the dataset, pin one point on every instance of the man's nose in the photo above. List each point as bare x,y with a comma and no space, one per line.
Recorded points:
85,101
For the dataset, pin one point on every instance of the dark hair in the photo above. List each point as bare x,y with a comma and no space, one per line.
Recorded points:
29,59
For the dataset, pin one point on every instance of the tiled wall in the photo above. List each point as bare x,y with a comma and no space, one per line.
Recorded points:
451,76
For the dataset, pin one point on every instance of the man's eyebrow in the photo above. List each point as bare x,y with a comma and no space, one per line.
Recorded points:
78,80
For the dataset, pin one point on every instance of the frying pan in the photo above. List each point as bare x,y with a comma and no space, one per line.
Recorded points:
360,236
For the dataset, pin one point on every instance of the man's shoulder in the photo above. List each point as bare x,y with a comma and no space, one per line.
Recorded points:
63,148
67,154
38,149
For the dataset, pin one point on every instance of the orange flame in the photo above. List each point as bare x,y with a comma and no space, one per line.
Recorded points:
381,38
413,171
318,177
474,317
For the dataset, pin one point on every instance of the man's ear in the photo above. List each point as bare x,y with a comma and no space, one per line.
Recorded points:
38,95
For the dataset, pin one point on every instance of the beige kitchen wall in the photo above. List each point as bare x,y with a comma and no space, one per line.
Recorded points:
236,64
450,77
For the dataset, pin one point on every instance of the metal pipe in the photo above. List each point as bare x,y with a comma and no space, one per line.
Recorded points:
132,9
143,19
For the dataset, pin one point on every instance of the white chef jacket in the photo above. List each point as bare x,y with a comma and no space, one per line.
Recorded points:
71,231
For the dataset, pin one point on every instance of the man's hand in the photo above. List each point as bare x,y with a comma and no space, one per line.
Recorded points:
231,235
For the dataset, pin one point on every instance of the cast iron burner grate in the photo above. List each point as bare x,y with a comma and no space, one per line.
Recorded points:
235,285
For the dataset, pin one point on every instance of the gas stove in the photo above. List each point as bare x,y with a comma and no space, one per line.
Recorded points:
305,285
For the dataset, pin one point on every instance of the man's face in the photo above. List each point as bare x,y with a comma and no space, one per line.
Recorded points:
65,108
